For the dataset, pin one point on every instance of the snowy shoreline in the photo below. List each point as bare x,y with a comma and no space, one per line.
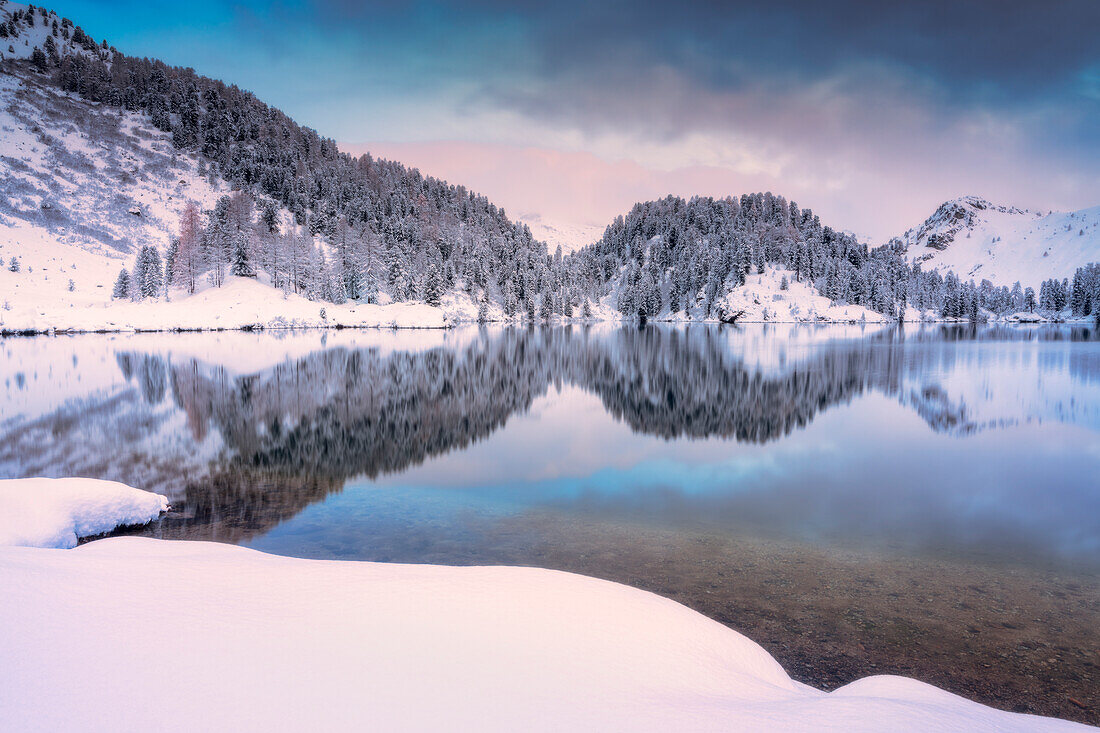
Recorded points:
345,645
449,325
244,304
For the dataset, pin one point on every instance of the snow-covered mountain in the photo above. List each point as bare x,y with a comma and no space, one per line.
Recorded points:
979,240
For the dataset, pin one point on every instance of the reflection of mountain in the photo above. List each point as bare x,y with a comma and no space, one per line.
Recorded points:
238,454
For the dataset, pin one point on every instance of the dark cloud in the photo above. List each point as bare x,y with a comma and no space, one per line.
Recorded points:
599,63
989,47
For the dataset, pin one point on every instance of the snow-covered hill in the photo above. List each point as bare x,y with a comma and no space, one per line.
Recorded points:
979,240
93,169
84,189
85,186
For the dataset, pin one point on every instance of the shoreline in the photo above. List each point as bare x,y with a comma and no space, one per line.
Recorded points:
446,326
1015,637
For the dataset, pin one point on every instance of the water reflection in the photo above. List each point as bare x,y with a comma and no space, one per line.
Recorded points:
924,439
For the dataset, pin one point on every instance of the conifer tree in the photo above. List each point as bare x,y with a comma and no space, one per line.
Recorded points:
171,259
149,282
122,285
547,308
510,304
241,263
433,286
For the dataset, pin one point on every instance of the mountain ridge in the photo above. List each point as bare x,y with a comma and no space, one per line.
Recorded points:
975,238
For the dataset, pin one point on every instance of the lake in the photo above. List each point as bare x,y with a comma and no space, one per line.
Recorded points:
857,499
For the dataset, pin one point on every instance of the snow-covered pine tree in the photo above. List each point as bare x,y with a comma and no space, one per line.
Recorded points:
433,286
674,296
627,303
241,265
137,276
122,285
397,277
39,60
650,300
369,292
171,260
150,282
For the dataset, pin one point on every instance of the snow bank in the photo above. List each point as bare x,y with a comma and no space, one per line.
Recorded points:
44,512
764,299
1025,317
258,642
243,303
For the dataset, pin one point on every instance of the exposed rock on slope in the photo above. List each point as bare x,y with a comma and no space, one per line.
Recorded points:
977,239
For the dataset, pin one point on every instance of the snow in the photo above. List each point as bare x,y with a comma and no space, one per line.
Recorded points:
44,512
259,642
763,299
31,38
112,635
1004,244
1025,317
240,303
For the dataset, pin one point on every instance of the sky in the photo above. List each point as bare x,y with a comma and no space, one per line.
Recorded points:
871,113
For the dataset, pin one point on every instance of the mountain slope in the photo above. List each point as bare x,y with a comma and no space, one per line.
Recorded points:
102,153
84,189
974,238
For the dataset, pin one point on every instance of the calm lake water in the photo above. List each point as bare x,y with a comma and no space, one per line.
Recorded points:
859,499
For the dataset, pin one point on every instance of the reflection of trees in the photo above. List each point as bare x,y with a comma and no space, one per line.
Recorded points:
344,412
341,412
673,383
233,506
276,441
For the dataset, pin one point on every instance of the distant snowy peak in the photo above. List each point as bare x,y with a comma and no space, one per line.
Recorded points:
978,240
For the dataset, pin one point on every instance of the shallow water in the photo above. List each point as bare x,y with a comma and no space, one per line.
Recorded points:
775,477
